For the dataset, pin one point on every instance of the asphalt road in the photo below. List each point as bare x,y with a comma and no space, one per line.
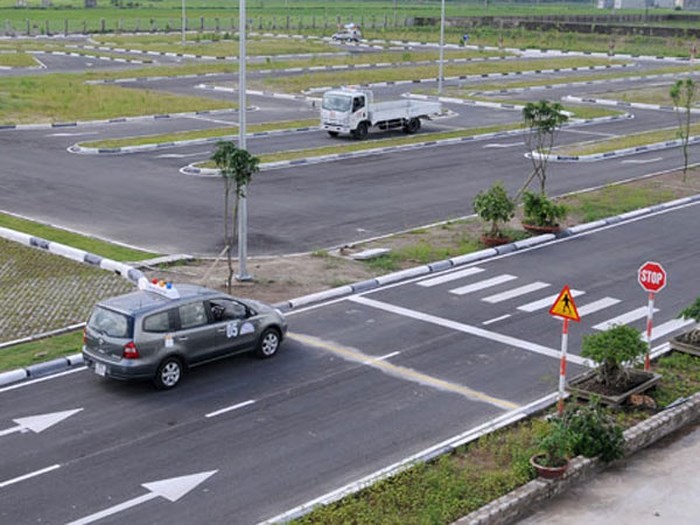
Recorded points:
361,384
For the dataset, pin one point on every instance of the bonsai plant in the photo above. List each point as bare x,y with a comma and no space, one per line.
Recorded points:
540,213
495,207
689,342
613,351
555,447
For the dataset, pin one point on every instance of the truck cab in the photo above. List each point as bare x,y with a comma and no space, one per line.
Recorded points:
344,110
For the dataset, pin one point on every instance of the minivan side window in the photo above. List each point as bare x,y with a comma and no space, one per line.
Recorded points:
192,314
227,310
159,322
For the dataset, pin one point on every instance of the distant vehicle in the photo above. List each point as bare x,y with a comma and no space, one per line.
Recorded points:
159,332
354,111
348,33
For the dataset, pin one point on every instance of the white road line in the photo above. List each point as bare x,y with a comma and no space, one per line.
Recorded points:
596,306
231,408
450,277
498,145
41,379
669,326
515,292
488,283
18,479
496,319
547,302
382,358
634,315
472,330
584,132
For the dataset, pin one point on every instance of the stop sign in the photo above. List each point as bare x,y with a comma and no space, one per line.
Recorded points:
652,276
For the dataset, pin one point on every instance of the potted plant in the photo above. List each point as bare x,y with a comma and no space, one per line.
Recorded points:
689,342
555,447
495,207
613,380
541,215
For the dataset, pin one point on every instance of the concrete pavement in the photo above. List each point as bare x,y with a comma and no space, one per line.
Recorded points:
659,485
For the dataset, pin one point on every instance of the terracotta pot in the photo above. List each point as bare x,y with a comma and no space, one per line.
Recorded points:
533,228
489,241
548,472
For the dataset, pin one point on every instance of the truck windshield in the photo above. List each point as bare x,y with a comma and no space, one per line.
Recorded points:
336,102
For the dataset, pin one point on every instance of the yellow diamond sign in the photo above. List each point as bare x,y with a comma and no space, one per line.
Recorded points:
564,306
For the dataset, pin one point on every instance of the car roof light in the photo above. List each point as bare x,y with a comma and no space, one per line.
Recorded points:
164,288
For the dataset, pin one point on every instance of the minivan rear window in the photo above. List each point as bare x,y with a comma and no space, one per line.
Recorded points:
110,323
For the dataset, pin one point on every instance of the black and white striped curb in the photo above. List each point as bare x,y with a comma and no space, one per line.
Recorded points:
623,104
82,150
120,120
479,76
41,369
619,152
95,57
583,83
470,258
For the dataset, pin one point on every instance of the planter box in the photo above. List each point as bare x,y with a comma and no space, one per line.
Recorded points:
577,387
682,346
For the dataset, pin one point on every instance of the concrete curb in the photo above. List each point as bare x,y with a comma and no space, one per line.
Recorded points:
41,369
518,503
621,103
96,57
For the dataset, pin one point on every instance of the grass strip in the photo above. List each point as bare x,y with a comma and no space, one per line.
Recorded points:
627,141
17,60
76,240
197,134
27,354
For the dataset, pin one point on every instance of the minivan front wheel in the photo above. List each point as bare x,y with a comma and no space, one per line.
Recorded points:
169,373
269,343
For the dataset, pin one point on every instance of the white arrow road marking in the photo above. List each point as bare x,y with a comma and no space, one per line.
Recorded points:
38,423
12,481
171,489
641,161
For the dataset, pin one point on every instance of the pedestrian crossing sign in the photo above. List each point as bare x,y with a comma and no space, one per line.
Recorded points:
564,306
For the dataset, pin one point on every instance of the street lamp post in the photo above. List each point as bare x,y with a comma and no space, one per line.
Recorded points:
442,45
242,204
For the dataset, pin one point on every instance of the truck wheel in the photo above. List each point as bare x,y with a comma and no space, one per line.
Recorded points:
412,126
361,131
333,133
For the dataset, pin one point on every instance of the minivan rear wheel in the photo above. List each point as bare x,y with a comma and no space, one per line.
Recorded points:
169,373
268,344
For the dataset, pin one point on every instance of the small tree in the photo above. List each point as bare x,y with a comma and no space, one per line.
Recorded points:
540,211
692,312
684,93
610,350
542,121
237,167
494,206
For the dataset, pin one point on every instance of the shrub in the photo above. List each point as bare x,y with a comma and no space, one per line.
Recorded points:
555,444
540,211
494,206
594,433
692,312
611,349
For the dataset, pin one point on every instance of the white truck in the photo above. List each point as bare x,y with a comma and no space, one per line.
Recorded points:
354,111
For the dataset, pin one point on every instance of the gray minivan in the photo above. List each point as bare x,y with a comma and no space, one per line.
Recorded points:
159,332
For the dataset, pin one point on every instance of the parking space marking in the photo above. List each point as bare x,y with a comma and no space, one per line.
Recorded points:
488,283
467,329
516,292
402,372
231,408
450,277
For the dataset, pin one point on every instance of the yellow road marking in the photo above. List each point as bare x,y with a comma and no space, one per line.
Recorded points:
402,372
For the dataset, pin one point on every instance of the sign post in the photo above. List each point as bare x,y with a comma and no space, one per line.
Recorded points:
565,308
652,278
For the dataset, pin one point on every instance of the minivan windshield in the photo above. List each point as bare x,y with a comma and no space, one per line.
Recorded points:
110,323
336,102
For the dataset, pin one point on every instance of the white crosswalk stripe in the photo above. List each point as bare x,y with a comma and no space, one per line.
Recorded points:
547,302
450,277
626,318
598,305
488,283
668,327
515,292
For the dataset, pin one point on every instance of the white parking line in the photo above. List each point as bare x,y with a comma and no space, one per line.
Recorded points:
450,277
488,283
231,408
515,292
472,330
546,302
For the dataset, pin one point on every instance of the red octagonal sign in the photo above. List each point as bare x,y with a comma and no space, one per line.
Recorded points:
652,276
